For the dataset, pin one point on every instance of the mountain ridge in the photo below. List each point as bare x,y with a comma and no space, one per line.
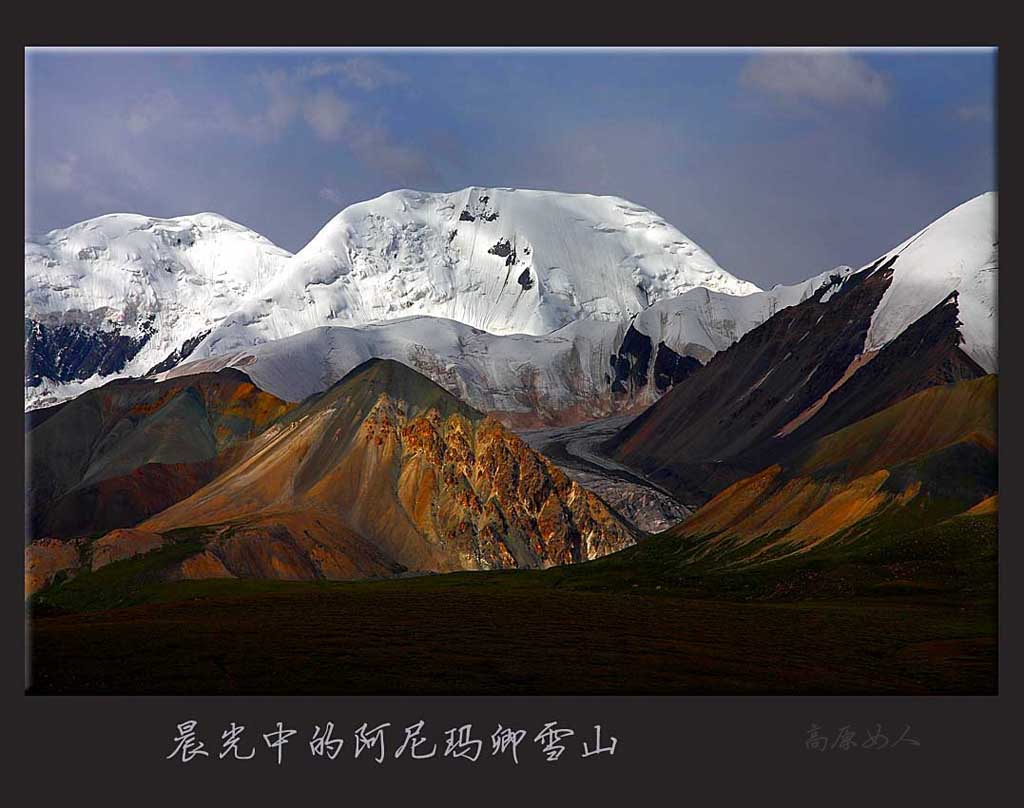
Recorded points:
586,369
606,361
383,473
931,455
801,374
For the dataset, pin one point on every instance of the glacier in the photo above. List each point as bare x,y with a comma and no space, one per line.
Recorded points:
543,307
501,260
527,380
153,283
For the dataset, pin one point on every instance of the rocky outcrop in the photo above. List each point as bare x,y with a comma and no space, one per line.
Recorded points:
387,473
118,545
46,559
495,503
801,375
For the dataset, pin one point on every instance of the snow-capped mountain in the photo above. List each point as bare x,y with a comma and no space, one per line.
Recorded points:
501,260
540,306
958,252
586,369
701,322
921,315
122,293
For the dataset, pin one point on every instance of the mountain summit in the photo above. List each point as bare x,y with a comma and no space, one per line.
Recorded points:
501,260
921,315
121,294
385,472
127,295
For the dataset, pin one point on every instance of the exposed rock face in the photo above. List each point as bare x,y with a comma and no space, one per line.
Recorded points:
178,355
120,544
496,502
65,352
799,376
671,368
46,558
632,362
387,473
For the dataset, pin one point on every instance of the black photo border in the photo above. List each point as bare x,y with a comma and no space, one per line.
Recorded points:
717,750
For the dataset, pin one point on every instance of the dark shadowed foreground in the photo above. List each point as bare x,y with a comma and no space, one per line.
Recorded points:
630,623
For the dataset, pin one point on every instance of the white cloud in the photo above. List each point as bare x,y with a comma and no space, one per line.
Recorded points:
282,101
981,113
373,145
67,176
291,94
152,110
164,110
332,118
60,174
332,195
834,78
366,74
326,114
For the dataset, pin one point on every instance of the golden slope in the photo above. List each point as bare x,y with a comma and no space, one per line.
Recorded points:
363,482
908,453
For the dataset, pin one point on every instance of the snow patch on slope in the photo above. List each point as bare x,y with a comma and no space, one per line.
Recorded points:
957,252
701,322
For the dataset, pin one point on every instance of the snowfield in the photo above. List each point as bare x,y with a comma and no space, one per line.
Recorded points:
503,261
500,260
957,252
699,323
161,281
533,379
516,301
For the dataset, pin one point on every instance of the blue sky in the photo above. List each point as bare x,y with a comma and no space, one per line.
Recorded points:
780,163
